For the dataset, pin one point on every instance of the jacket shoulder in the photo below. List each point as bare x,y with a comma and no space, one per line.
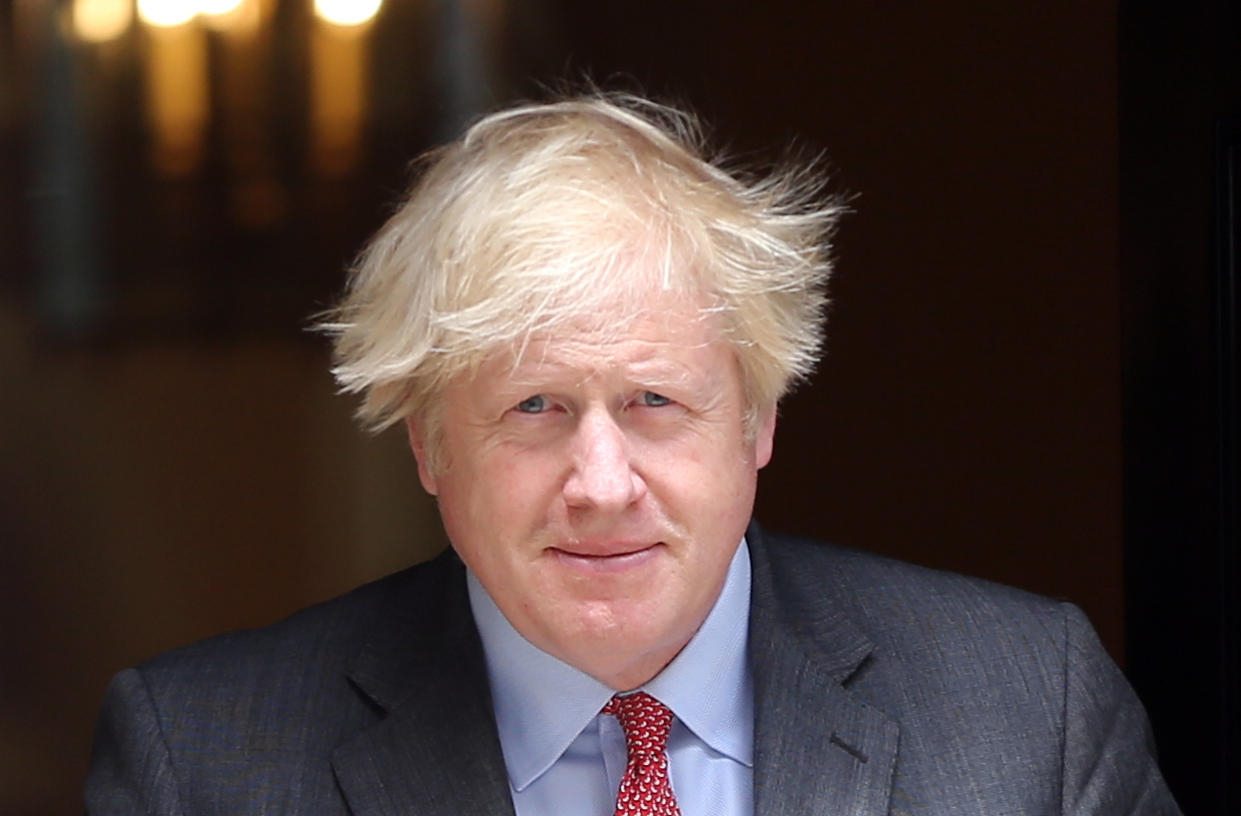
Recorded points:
290,672
886,597
248,722
982,679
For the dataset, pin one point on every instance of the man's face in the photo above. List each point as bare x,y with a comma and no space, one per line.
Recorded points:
599,487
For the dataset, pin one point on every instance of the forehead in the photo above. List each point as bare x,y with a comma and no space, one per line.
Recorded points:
669,338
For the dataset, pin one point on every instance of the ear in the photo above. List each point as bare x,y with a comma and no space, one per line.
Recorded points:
417,443
765,435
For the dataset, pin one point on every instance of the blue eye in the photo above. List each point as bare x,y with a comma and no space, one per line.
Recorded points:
533,405
652,400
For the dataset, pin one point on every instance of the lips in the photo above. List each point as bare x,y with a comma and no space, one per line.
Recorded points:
605,549
606,557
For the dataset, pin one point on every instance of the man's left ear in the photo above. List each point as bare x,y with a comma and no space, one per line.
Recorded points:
764,437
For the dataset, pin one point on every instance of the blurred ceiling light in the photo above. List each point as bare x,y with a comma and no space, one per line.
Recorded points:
347,12
338,81
101,20
165,13
236,17
218,7
177,97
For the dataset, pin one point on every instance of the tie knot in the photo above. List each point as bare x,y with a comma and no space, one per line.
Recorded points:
645,789
645,720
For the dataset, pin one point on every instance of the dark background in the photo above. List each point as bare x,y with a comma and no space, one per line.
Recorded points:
1028,375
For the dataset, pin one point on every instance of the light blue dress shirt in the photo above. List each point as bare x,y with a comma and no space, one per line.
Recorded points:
564,759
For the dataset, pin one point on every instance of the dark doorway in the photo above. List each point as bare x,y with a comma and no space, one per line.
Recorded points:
1180,153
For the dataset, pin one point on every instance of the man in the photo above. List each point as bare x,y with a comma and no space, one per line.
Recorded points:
586,328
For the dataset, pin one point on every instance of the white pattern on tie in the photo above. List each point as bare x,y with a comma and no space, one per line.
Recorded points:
645,789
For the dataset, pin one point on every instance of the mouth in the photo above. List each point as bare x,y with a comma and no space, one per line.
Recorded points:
613,557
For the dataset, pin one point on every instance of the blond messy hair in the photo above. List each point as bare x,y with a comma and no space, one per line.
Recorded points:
543,214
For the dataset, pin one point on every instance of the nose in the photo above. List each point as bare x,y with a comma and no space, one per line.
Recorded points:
603,477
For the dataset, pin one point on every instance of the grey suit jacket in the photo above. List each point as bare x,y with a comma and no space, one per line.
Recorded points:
880,688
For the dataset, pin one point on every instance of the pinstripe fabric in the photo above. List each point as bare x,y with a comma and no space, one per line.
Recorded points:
880,688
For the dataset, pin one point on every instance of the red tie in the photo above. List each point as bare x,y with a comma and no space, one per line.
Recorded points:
644,789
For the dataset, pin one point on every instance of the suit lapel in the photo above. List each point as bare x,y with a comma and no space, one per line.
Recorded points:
436,751
818,749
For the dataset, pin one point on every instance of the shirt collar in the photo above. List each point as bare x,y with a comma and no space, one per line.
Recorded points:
708,684
542,704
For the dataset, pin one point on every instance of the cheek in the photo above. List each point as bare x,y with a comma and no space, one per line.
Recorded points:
711,489
498,498
713,465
